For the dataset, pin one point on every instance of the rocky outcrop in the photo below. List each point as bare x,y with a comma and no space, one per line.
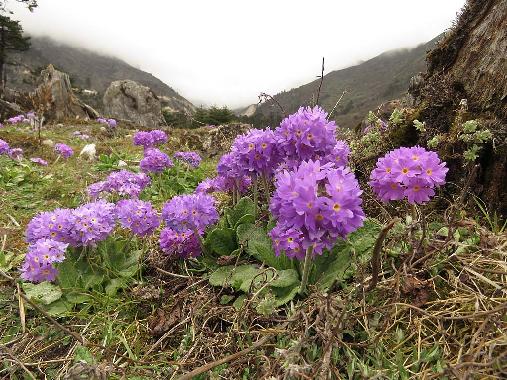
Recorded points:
210,141
8,109
467,79
129,100
55,98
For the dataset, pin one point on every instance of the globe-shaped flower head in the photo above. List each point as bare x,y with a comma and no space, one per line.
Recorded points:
64,150
183,244
190,212
144,139
256,152
93,222
306,135
314,206
4,147
191,158
138,216
55,225
411,173
39,261
155,161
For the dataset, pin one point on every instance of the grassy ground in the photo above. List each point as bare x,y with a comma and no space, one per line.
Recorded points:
437,312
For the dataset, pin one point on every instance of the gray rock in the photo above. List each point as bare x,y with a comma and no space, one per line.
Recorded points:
55,97
49,143
128,100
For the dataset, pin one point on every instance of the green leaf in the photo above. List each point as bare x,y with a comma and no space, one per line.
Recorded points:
76,298
336,270
338,264
284,295
245,206
221,277
225,299
59,308
239,278
45,292
114,285
221,241
285,278
9,260
91,280
443,232
258,244
83,354
238,303
245,219
267,305
68,274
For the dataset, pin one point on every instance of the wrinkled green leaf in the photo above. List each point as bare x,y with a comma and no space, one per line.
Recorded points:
45,292
259,245
285,278
221,241
245,206
59,308
114,285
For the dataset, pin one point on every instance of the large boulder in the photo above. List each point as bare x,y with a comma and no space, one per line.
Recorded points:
55,98
129,100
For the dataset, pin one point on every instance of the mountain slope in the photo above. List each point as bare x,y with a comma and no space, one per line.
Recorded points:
87,70
369,84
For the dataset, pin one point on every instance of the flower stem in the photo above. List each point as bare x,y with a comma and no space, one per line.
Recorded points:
256,196
306,270
201,241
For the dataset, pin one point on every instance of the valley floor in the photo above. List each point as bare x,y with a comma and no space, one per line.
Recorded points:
438,310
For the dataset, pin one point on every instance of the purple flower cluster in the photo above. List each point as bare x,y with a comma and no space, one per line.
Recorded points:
230,175
15,153
111,123
138,216
4,147
191,158
150,139
339,155
39,161
314,206
183,244
194,212
155,161
79,135
123,182
83,226
64,150
206,186
256,152
411,173
49,234
38,264
92,222
54,225
18,119
159,137
306,135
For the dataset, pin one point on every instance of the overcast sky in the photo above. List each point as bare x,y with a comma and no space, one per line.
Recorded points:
228,51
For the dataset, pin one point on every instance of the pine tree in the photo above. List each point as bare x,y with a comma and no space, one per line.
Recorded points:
11,39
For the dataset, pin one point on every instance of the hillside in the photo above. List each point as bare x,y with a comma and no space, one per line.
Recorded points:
87,70
368,85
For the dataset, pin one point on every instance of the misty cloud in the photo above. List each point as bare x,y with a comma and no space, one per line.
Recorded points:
227,52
